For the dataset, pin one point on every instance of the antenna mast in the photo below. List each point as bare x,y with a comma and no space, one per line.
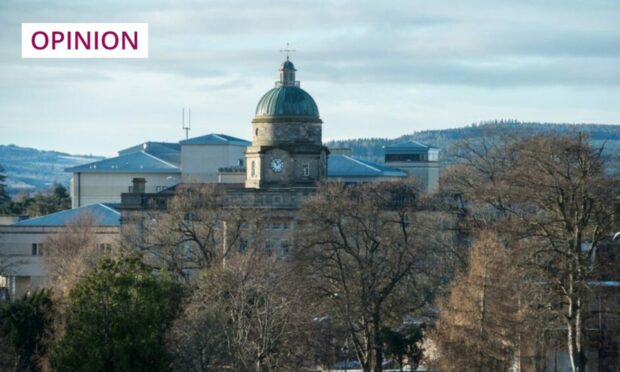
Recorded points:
189,122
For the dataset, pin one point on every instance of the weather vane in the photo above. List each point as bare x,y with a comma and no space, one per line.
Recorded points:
287,50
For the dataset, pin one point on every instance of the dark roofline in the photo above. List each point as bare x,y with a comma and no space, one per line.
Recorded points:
380,170
215,139
88,168
407,145
140,147
38,221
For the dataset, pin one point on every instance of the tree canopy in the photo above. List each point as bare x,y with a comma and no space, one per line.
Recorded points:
552,202
25,326
117,319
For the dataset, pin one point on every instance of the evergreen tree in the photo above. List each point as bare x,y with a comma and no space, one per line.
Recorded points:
24,327
5,199
117,318
406,342
52,200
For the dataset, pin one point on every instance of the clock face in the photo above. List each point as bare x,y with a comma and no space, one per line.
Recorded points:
277,165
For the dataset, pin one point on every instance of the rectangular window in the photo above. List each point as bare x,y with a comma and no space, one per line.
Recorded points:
243,245
187,249
105,247
9,291
37,249
285,248
306,170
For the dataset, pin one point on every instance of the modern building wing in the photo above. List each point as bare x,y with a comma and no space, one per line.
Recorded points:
160,164
202,157
417,159
104,181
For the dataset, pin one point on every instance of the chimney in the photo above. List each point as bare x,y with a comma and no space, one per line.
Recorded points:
139,186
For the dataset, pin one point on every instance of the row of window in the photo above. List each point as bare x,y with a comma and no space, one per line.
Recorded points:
405,157
282,251
278,226
37,248
281,248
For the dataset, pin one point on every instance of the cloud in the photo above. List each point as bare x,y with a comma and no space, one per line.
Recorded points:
487,43
356,57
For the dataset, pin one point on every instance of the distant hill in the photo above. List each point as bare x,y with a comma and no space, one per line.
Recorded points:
372,148
32,170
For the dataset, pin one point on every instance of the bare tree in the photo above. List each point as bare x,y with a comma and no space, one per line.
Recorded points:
75,250
247,315
365,249
196,229
550,198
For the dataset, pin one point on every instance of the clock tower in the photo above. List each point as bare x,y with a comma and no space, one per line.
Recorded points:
287,149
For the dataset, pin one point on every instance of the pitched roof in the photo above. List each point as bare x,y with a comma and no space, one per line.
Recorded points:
409,146
136,162
346,166
215,139
106,215
167,151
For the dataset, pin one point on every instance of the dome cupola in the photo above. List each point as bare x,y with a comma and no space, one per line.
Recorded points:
287,99
287,74
287,148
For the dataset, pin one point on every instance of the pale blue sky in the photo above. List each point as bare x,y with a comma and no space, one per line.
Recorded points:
375,68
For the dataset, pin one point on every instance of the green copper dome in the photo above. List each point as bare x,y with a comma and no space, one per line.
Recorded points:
287,98
287,101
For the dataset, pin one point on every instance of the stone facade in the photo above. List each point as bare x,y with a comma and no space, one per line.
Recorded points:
23,248
287,148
